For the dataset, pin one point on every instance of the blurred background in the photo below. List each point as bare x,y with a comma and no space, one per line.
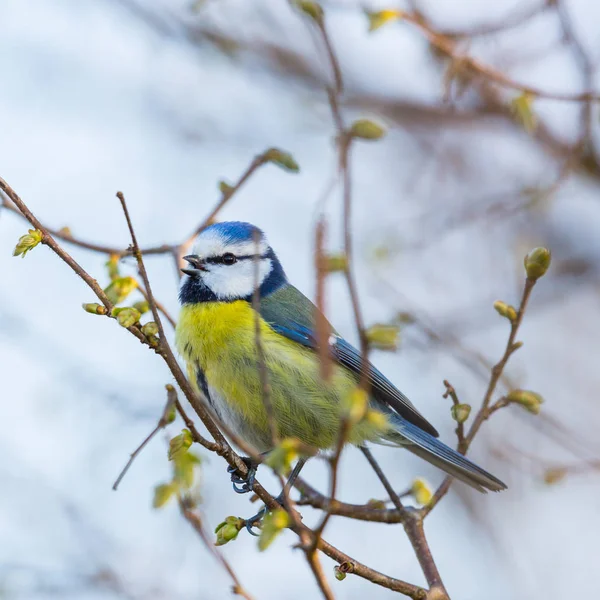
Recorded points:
161,99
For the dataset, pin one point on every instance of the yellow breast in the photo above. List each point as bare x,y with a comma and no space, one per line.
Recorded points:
219,338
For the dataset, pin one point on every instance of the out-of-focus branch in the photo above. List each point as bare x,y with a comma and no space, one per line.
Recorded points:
193,518
164,420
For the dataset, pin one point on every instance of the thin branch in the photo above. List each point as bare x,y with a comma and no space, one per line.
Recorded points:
194,520
460,427
384,480
162,423
486,410
447,46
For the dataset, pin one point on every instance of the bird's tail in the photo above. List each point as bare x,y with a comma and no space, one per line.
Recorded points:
438,454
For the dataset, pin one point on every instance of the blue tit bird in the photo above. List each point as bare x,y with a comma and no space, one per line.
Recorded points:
216,336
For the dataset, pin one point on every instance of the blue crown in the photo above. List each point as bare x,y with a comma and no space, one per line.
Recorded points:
235,231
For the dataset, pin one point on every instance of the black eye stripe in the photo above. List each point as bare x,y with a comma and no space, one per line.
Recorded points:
220,260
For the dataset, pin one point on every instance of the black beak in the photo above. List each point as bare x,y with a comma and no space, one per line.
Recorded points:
194,262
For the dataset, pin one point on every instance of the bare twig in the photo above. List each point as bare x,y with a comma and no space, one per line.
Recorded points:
486,409
162,423
192,517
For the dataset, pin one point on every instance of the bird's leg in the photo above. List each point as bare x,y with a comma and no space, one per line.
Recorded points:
243,485
253,521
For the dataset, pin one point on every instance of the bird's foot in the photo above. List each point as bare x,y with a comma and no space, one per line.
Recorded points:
258,517
243,485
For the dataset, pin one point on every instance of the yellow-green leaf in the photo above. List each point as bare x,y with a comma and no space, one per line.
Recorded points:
381,17
162,494
273,524
522,109
27,242
120,288
180,444
383,337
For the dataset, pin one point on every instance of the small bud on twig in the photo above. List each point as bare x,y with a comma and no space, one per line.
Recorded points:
460,412
365,129
228,530
506,310
421,491
282,159
94,308
143,306
126,316
537,263
313,9
527,399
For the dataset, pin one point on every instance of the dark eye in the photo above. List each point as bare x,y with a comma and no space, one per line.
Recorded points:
229,259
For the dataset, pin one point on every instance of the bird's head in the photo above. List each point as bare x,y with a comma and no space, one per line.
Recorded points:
222,266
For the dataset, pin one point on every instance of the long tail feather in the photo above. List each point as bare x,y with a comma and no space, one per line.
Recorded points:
427,447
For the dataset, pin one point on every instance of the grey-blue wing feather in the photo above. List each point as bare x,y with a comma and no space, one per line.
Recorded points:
289,312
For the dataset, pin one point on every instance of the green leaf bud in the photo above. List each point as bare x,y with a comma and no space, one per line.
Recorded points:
339,574
506,310
127,316
335,262
282,159
94,308
528,400
377,504
273,523
162,494
27,242
365,129
228,530
312,9
143,306
460,412
537,263
180,444
383,337
225,188
150,328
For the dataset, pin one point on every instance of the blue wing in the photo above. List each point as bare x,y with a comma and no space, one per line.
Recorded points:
291,314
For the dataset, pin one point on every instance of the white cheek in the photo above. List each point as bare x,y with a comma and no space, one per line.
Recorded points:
236,281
